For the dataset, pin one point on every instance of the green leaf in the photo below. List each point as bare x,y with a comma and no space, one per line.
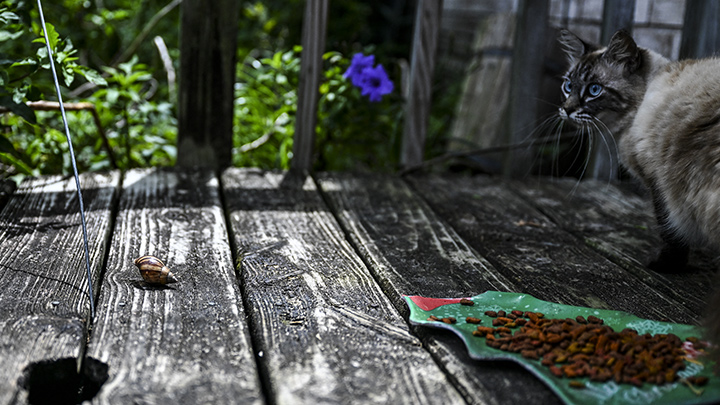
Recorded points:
25,62
68,73
90,75
8,16
20,165
19,94
52,35
6,146
112,96
20,109
9,36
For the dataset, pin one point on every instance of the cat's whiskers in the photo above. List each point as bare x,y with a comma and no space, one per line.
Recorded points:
552,124
585,128
610,144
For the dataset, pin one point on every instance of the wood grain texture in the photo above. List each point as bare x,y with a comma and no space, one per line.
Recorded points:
188,342
536,254
43,282
412,252
327,332
526,78
422,65
208,48
313,43
621,226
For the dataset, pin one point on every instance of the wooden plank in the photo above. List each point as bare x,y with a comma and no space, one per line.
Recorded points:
536,254
700,30
621,226
412,252
189,342
418,99
208,47
311,66
326,331
44,306
525,81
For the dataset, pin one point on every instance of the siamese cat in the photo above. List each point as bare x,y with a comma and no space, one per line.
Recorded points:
665,118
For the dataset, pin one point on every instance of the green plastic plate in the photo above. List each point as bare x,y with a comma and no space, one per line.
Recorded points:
594,392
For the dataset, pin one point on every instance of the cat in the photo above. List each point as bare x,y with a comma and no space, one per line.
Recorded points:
665,117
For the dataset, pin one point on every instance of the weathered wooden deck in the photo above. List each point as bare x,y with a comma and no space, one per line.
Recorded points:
290,288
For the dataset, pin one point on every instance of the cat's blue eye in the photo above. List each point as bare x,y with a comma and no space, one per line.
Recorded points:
567,86
595,89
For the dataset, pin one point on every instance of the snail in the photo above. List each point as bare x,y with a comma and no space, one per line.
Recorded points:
154,271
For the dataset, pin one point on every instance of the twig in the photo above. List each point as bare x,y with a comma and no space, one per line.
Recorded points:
256,143
168,65
135,44
55,106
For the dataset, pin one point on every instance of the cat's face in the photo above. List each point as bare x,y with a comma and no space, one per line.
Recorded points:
603,86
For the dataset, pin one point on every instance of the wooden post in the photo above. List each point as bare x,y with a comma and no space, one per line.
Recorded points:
422,64
701,31
208,45
603,159
313,47
525,79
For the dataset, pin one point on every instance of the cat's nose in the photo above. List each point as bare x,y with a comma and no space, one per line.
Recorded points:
569,106
566,111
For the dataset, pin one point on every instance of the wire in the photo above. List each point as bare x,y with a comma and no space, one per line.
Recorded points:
72,159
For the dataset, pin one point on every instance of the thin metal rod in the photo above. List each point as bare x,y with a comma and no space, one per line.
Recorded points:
72,159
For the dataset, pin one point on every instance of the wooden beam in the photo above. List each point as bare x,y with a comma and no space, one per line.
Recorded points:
603,159
525,79
208,42
196,329
617,15
422,64
313,44
701,30
43,285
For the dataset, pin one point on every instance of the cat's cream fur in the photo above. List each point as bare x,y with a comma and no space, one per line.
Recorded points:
665,117
674,146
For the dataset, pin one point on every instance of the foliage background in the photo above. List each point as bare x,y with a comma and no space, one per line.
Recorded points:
135,102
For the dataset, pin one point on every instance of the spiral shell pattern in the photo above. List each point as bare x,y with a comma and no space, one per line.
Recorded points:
154,271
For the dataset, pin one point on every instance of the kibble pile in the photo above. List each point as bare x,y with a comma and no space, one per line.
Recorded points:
586,347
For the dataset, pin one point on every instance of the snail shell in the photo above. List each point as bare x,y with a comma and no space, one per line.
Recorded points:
154,271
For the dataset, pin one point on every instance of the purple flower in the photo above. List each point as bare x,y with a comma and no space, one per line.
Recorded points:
374,83
359,63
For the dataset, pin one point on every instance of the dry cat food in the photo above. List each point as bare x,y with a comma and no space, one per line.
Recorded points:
586,347
466,301
449,320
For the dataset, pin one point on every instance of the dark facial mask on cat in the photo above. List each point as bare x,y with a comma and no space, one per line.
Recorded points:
603,86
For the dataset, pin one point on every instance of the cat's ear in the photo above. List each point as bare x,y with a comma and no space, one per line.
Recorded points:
573,46
623,50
